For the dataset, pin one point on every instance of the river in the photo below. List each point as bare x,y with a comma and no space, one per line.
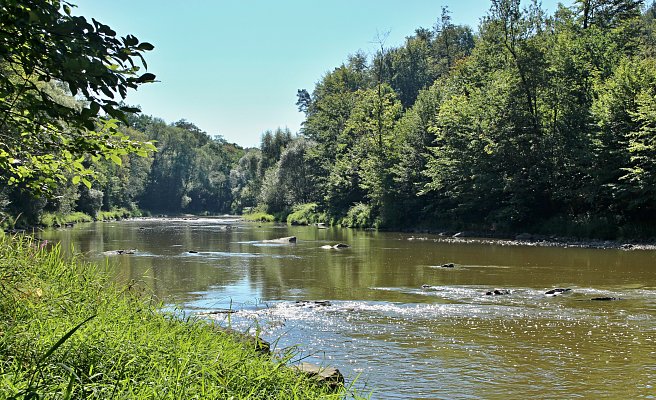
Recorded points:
399,322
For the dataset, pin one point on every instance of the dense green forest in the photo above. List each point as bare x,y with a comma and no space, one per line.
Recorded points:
534,122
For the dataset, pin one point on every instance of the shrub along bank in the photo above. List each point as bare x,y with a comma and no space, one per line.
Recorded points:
69,331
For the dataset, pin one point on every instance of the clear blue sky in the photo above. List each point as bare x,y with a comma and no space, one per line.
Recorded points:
233,67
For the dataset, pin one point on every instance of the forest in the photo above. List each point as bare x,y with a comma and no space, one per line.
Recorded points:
533,122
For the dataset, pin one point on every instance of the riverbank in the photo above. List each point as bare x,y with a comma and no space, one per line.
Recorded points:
68,331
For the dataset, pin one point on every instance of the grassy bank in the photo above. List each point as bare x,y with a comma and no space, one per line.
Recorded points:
50,220
259,217
58,219
68,331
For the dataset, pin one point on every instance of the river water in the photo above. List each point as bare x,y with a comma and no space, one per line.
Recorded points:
396,321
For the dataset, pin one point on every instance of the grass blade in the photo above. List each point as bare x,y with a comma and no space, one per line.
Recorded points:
64,339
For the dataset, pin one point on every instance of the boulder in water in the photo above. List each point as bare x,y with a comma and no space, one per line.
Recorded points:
498,292
283,240
325,375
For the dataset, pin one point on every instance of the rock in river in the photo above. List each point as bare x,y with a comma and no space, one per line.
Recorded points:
326,375
557,291
498,292
120,252
312,304
284,240
336,247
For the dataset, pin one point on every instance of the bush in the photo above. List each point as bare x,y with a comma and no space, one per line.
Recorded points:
360,215
259,217
306,214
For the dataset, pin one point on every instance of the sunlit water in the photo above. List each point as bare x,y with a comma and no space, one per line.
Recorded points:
399,339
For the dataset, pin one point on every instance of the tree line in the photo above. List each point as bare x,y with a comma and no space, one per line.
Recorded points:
536,121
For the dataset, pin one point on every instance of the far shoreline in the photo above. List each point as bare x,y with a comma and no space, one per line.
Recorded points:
421,234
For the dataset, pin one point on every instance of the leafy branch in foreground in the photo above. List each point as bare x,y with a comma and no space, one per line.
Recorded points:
61,78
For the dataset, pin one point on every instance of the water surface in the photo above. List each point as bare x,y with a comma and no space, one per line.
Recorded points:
446,339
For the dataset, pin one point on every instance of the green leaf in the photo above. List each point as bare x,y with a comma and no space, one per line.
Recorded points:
147,77
145,46
76,179
130,40
117,160
132,110
86,183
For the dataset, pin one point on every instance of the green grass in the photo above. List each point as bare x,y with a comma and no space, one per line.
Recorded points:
50,220
259,217
57,219
119,213
69,331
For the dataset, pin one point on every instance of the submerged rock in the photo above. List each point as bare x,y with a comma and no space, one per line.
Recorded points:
557,291
219,311
449,265
326,375
192,252
313,303
120,252
283,240
605,298
498,292
336,246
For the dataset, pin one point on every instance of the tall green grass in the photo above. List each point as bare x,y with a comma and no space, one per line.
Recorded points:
57,219
259,217
68,331
119,213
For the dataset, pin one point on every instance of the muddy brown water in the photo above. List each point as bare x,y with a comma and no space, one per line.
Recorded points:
398,339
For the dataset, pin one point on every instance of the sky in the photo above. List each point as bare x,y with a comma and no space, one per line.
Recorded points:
233,67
